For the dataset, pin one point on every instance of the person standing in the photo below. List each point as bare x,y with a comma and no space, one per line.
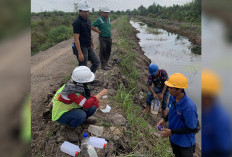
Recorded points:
182,117
84,46
103,27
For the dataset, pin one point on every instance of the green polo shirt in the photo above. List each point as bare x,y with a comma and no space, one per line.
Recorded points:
104,26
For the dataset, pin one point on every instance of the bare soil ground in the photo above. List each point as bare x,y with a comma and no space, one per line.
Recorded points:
51,69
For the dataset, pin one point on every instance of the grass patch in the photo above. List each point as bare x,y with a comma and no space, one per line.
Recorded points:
142,140
106,124
153,30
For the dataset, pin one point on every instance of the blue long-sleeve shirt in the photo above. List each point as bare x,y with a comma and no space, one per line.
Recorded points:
216,130
185,109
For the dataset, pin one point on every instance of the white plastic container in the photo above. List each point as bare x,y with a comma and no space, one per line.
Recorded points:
103,102
97,142
70,148
107,109
91,151
95,130
155,104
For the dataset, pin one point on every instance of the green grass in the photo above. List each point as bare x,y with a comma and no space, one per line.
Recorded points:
142,140
106,124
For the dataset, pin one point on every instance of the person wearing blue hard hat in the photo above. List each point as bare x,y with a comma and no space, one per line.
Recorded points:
159,90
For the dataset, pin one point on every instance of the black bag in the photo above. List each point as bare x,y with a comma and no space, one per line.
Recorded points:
75,52
196,130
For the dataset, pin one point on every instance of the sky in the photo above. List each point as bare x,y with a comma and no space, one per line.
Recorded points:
67,5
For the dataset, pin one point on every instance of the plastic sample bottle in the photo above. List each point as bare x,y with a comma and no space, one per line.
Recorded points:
70,148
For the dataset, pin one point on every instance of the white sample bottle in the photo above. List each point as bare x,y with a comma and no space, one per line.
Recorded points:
155,106
97,142
70,149
103,102
91,151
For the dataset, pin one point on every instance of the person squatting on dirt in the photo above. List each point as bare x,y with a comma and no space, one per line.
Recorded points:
83,38
104,30
157,77
182,117
73,103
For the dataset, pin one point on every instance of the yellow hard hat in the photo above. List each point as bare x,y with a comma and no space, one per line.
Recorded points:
210,83
177,80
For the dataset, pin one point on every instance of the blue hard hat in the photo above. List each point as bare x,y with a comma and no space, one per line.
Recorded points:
153,68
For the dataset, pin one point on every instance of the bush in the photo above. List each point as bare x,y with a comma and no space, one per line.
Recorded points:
59,34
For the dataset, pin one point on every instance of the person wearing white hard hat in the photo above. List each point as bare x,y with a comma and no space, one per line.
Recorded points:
83,46
73,103
103,27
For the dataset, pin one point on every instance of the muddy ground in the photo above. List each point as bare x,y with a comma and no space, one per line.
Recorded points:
52,68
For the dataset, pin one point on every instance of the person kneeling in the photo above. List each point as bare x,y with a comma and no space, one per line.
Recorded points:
73,103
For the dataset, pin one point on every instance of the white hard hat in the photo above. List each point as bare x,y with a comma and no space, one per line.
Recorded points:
82,74
84,5
105,9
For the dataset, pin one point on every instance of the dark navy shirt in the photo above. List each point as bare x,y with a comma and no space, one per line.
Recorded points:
83,27
185,109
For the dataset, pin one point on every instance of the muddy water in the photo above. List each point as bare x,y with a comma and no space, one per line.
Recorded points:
172,52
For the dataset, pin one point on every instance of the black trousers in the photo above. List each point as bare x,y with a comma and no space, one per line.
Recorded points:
105,49
179,151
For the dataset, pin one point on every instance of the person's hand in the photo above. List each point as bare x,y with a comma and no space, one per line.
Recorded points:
99,32
160,123
166,132
160,96
104,92
155,96
94,48
81,57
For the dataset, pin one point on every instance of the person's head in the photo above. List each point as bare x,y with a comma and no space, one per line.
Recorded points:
177,83
210,87
84,8
84,14
82,74
153,69
105,12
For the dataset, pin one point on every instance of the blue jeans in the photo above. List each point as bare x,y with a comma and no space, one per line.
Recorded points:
150,97
76,117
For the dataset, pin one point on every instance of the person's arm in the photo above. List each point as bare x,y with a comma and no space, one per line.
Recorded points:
95,29
83,102
78,46
161,96
149,84
152,91
92,44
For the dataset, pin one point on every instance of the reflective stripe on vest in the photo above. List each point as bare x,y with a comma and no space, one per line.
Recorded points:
101,20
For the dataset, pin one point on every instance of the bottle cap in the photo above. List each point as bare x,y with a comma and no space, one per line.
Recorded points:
76,154
85,135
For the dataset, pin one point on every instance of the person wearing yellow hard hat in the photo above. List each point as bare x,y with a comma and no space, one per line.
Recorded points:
182,117
216,124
